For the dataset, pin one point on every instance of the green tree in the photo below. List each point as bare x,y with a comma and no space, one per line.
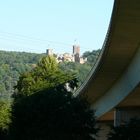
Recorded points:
48,109
91,56
12,64
5,118
126,131
81,70
53,114
45,75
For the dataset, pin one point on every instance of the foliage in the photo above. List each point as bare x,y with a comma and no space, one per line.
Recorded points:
91,56
53,114
127,131
45,75
4,114
5,117
20,68
81,70
12,64
47,109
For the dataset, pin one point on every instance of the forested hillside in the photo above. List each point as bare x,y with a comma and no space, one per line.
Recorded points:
12,64
81,70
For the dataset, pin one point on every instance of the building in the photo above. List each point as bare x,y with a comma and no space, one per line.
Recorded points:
74,57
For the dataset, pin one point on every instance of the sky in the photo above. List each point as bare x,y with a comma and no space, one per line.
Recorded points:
37,25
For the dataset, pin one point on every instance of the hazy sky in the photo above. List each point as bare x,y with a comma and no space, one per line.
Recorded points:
35,25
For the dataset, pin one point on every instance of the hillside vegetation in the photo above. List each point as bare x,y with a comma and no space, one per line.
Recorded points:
13,64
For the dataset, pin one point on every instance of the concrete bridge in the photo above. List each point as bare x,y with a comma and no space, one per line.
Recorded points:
113,85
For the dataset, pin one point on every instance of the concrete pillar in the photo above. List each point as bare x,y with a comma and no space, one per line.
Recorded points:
124,114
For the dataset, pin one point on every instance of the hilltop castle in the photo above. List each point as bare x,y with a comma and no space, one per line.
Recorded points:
74,57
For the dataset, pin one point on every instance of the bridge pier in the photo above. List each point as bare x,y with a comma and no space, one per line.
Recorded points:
124,114
116,117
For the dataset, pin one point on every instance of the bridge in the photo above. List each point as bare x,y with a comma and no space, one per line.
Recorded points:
113,85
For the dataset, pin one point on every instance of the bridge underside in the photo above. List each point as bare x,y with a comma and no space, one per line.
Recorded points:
132,101
114,81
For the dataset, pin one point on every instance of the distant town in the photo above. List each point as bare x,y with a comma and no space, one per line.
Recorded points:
74,57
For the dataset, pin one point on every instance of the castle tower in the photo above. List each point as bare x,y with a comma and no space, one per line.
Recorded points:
49,52
76,49
76,53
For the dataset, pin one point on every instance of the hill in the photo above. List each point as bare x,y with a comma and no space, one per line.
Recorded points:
12,64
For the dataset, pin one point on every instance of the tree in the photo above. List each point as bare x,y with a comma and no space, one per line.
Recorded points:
12,64
91,56
50,111
53,114
45,75
126,131
81,70
5,118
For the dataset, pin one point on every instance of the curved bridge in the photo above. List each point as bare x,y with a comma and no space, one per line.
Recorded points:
114,80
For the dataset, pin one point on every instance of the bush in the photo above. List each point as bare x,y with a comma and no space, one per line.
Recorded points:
52,114
127,131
